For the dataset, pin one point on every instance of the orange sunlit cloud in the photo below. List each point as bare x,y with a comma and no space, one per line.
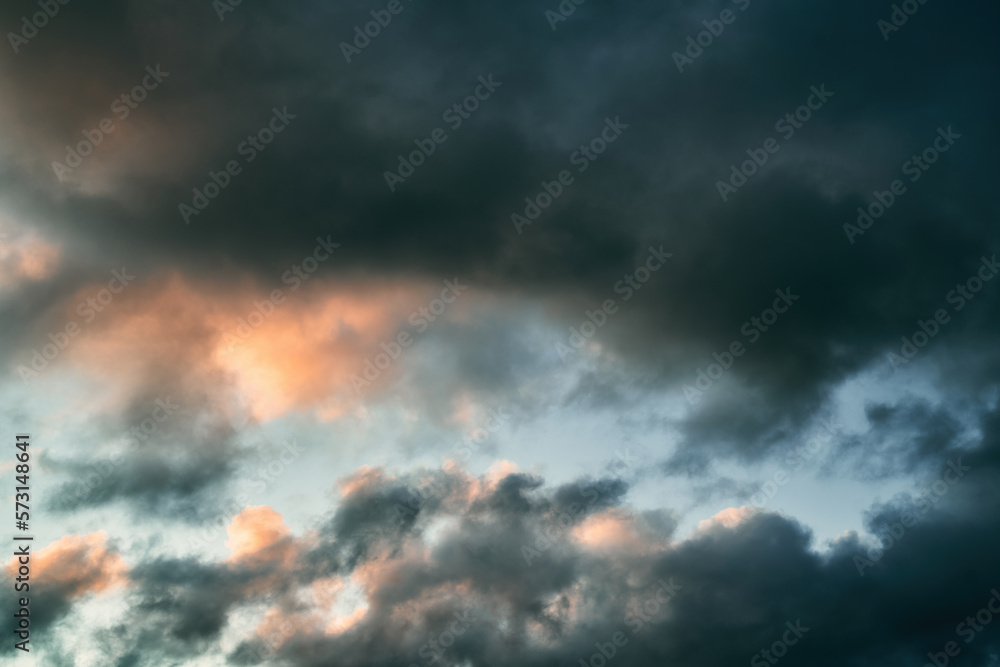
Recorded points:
611,529
77,564
366,477
24,257
258,535
299,355
728,518
342,624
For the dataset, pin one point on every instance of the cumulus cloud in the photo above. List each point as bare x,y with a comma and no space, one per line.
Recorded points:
496,570
62,573
259,533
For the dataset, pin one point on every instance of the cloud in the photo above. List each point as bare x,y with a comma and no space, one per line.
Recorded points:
411,548
325,177
77,565
371,584
62,573
24,256
258,533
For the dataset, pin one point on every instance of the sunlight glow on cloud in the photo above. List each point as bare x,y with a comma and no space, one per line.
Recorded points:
24,256
299,355
728,518
259,535
77,565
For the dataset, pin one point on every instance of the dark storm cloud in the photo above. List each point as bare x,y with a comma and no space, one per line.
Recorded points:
783,229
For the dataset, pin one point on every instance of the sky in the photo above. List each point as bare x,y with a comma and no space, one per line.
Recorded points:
402,334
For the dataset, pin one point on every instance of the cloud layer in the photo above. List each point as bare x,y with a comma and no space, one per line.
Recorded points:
201,255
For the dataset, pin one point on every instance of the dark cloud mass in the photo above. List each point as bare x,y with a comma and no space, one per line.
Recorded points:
543,572
656,184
